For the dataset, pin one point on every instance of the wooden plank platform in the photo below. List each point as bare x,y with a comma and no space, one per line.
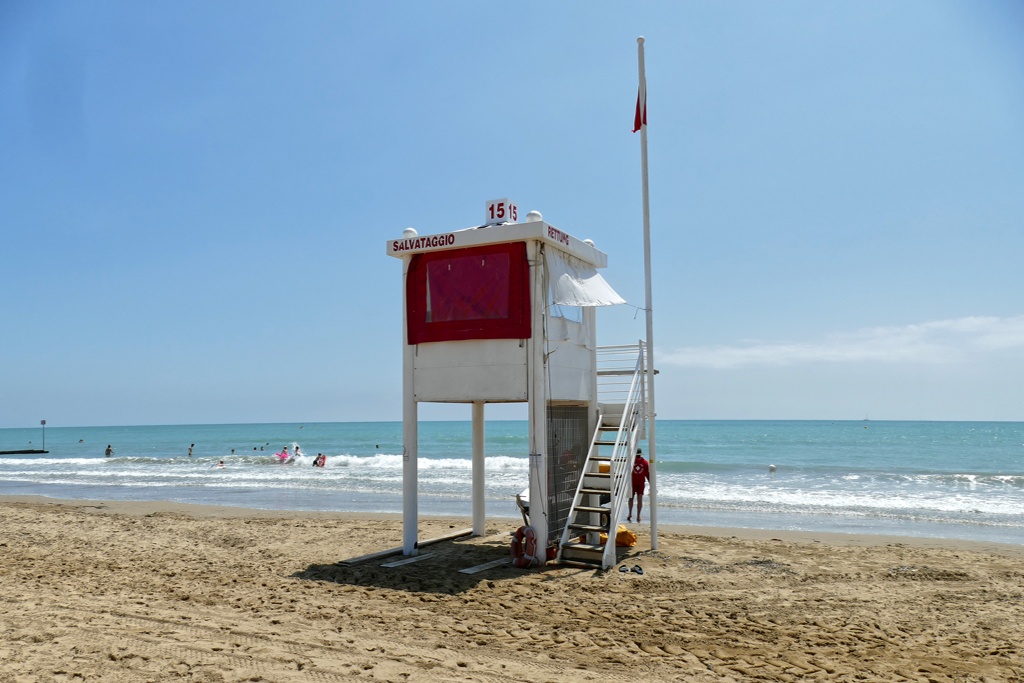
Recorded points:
366,558
380,555
485,566
446,537
408,560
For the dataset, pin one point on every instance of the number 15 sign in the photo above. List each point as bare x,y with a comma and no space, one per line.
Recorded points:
501,211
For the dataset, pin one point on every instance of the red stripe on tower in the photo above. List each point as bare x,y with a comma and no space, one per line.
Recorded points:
640,118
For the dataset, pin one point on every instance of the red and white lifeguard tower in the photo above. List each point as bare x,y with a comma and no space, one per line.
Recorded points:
504,312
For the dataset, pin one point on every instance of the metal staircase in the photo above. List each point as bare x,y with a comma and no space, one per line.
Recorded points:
606,485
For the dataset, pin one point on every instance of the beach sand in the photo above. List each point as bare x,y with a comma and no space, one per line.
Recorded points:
141,591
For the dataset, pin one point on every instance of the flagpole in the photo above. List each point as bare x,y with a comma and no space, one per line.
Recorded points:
651,414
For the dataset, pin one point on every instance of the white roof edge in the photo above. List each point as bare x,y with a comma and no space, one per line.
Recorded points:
498,234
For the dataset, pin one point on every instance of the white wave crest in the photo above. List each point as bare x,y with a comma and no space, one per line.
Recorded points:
494,462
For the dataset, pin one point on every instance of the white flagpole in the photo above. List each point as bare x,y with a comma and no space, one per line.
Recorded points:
651,452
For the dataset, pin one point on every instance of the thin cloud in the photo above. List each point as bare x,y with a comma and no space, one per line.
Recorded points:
937,342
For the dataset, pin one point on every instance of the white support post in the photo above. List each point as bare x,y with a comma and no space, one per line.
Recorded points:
538,400
653,512
410,432
590,324
479,501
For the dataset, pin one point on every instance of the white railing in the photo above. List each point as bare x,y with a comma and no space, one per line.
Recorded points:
616,368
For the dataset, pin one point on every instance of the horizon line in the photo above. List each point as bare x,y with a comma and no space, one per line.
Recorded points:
334,422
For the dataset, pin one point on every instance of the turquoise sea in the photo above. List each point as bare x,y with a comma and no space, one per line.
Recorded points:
940,479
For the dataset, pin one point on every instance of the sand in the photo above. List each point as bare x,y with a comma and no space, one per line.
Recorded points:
97,591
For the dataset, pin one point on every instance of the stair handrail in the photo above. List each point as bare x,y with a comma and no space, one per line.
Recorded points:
621,462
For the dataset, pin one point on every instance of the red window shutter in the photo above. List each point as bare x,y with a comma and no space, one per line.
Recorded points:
475,293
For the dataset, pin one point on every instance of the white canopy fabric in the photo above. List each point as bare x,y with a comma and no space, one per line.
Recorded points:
562,330
574,283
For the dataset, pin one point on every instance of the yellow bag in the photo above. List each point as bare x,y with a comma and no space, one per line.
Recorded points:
624,538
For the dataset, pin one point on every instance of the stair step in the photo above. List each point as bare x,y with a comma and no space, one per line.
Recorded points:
603,475
581,563
595,492
585,508
602,458
596,528
605,443
588,547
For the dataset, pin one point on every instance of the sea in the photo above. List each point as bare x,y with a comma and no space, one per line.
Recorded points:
930,479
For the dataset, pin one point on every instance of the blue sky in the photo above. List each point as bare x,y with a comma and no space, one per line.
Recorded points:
194,198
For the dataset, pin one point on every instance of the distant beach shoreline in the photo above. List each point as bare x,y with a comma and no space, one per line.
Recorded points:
203,511
913,479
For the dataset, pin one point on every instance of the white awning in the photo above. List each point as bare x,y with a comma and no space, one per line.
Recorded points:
574,283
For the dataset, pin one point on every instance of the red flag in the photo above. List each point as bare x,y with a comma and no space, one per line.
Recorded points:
640,117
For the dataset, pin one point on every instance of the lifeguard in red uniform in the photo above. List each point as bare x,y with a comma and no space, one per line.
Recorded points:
641,475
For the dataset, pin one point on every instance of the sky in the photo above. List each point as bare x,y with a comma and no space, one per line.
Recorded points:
195,198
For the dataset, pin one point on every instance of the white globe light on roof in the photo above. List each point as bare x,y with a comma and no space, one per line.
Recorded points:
409,232
534,217
590,242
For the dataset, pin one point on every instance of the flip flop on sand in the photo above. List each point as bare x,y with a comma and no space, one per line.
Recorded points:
623,568
637,569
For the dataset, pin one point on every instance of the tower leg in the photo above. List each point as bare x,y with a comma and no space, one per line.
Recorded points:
479,501
410,437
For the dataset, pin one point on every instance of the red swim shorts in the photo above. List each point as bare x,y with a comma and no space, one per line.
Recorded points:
638,486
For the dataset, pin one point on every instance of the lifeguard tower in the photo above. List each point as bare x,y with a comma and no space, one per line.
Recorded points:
504,312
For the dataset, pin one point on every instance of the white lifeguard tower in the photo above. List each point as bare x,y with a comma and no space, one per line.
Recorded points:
504,312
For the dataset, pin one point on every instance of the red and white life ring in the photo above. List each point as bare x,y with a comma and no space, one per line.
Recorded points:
525,548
